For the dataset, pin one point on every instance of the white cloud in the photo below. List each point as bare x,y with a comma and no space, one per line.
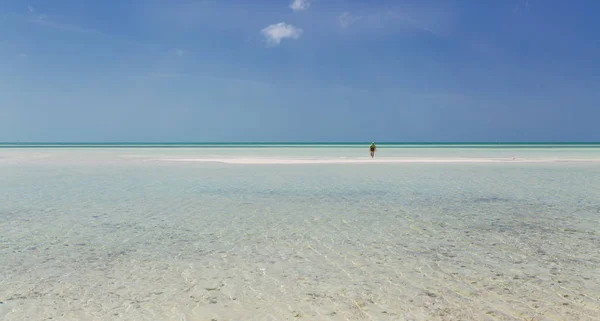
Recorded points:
30,8
299,5
346,19
279,31
179,52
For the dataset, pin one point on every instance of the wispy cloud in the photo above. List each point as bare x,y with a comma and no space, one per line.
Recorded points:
373,19
299,5
417,16
346,19
44,20
166,75
523,6
279,31
179,52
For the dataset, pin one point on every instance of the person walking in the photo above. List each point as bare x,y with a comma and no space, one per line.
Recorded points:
373,148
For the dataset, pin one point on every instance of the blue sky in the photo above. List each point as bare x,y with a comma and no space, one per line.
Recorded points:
320,70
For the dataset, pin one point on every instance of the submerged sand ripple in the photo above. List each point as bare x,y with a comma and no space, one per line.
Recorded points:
168,241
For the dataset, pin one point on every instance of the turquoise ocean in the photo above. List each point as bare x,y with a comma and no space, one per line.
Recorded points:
273,231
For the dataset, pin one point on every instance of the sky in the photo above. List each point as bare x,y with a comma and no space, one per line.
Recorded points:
299,70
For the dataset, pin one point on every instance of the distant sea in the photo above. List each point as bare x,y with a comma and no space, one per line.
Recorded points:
300,144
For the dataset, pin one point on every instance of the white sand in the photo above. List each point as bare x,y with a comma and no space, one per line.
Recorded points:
290,161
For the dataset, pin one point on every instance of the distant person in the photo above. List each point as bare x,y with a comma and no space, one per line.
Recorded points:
373,148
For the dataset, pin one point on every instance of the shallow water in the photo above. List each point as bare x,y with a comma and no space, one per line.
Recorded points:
129,234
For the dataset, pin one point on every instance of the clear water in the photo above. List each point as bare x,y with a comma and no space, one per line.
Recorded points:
132,234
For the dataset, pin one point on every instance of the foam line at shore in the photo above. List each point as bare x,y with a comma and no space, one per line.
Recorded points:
290,161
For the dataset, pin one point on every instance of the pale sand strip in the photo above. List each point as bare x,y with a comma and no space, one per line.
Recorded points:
291,161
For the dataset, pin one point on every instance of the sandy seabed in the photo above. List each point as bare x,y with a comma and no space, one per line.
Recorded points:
135,238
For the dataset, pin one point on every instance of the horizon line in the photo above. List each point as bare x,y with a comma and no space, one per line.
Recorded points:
298,142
